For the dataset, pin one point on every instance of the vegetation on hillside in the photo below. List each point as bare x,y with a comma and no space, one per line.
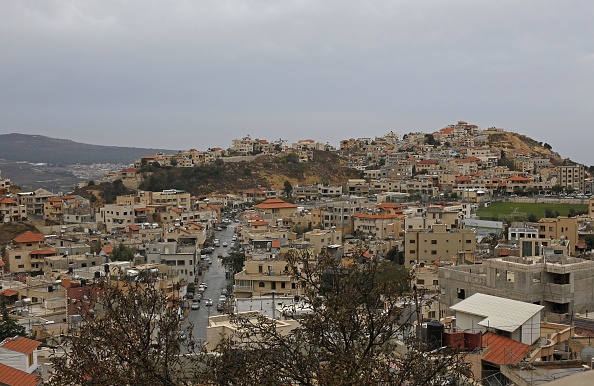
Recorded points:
264,171
9,231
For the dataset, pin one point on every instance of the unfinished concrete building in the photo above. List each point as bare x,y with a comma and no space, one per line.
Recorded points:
563,285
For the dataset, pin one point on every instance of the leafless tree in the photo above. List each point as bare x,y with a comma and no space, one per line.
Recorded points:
131,335
357,330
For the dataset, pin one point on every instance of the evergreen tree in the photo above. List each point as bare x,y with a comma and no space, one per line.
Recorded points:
8,327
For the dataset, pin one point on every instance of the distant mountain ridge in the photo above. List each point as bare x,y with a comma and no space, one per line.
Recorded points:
42,149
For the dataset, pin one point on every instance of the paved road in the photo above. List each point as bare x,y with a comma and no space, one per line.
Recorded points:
214,277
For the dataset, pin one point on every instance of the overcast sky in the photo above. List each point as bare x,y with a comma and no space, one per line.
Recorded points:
182,74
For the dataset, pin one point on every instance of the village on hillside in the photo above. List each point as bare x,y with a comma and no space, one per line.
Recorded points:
513,290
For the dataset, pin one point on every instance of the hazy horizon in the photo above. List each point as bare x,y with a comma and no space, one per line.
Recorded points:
179,75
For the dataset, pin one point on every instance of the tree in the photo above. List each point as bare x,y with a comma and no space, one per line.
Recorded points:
131,335
292,158
122,253
547,146
288,188
348,337
9,327
557,189
532,217
589,240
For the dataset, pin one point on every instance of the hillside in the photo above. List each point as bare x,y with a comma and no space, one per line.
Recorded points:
233,177
40,149
11,230
508,141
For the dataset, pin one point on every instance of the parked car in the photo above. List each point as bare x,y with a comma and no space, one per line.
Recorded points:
220,306
197,297
195,306
225,244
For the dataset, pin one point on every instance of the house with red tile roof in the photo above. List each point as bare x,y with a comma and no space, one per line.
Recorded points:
13,377
26,253
19,353
275,207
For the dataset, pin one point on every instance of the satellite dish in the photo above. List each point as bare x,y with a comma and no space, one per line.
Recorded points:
587,354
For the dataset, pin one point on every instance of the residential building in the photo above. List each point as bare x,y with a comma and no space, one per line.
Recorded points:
264,277
560,228
439,244
571,176
562,284
376,225
26,253
184,264
487,313
10,210
19,353
117,216
319,239
34,201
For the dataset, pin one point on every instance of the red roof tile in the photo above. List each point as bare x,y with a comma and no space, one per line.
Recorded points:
504,350
14,377
43,252
10,292
275,203
20,344
29,237
519,179
134,227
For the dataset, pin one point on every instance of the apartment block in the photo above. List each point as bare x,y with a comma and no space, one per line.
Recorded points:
439,244
26,253
560,228
262,278
572,176
562,284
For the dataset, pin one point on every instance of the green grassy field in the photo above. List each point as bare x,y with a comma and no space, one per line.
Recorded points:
516,211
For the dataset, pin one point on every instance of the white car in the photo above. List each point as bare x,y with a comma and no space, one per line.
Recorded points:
225,244
208,302
195,306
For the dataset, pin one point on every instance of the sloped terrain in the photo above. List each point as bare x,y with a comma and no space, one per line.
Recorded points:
508,141
41,149
264,171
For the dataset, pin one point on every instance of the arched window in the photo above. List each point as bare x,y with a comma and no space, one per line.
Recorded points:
261,284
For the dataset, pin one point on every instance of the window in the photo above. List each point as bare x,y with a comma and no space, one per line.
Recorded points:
412,241
435,282
21,266
433,241
17,257
434,252
261,284
412,251
420,281
468,241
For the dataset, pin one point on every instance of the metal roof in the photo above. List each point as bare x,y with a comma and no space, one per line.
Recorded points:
501,313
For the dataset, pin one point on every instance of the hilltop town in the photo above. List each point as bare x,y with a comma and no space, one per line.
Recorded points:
517,282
